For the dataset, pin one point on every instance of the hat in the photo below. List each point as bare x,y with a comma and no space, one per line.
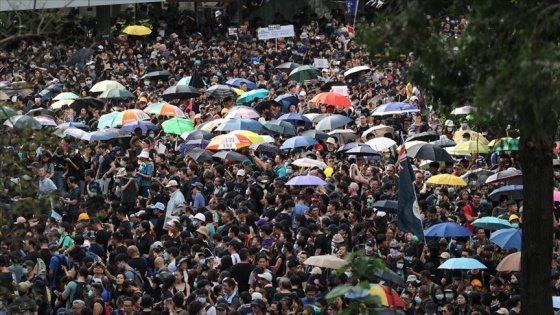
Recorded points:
240,173
28,263
445,255
476,283
222,307
335,195
331,140
174,35
144,154
143,99
158,206
20,220
83,217
91,235
255,296
158,245
325,70
302,93
218,13
414,98
511,217
200,216
172,183
203,230
316,271
24,286
53,247
333,228
259,303
198,185
502,311
338,239
412,278
247,162
266,276
449,123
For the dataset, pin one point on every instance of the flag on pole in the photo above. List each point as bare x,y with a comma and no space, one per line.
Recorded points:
352,7
408,211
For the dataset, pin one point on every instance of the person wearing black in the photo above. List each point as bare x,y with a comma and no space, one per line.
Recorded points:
242,271
144,238
71,201
105,167
74,166
321,243
93,192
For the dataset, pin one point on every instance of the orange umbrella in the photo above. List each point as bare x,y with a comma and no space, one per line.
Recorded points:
331,98
228,142
165,109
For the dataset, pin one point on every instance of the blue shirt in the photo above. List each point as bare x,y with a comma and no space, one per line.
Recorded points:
300,208
199,200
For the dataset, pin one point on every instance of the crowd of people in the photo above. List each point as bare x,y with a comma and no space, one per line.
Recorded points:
123,227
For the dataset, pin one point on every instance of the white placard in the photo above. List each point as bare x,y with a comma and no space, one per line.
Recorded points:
161,148
320,62
232,31
340,89
276,32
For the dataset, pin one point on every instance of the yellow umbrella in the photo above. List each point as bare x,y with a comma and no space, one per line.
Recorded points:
471,147
211,125
446,179
410,144
255,138
238,91
138,30
496,141
475,136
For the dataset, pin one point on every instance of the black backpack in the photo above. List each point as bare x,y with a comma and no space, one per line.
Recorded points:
81,291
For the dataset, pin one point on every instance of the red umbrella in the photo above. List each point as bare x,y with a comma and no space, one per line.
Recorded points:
332,98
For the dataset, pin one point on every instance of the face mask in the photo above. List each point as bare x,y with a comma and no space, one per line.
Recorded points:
449,129
288,171
417,299
515,225
400,265
473,183
122,163
369,201
439,197
88,82
451,190
448,296
90,293
556,174
358,112
439,296
202,300
276,82
146,82
151,135
120,266
458,247
44,45
165,256
387,156
32,66
164,138
82,84
465,139
464,125
408,258
202,262
484,201
439,131
37,100
369,248
194,223
467,292
336,70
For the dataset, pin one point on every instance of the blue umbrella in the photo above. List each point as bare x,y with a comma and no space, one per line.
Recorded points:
286,100
507,238
307,180
47,92
448,230
78,125
296,119
298,142
332,122
240,124
514,192
198,143
394,108
491,223
142,124
250,96
462,263
351,145
237,82
105,134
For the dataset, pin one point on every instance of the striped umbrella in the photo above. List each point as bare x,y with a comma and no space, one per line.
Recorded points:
165,109
115,119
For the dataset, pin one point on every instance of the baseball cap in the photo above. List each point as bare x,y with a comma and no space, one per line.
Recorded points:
445,255
83,217
240,173
20,220
259,303
158,244
200,216
159,206
172,183
266,276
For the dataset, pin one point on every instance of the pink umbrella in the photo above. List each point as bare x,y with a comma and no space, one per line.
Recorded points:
242,112
556,195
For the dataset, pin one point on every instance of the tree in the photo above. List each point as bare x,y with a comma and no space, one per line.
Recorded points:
504,63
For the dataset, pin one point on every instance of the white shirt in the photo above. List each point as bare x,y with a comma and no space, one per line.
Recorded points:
176,202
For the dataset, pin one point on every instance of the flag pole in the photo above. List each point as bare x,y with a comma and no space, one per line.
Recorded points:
355,14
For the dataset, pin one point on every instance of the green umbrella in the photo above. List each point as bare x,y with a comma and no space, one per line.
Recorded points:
507,145
6,112
177,126
304,73
116,93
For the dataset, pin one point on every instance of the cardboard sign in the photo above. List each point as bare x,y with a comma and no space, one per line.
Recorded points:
321,63
276,31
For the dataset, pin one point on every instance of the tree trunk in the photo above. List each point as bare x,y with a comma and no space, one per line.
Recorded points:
535,151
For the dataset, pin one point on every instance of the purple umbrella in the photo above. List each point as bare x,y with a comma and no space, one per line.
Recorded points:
307,180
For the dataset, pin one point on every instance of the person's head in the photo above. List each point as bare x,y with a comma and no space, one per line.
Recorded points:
310,292
229,285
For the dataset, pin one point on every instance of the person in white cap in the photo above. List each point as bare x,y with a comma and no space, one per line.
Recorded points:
331,145
176,199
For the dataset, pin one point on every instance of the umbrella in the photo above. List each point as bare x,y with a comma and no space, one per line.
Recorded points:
325,261
316,134
116,93
85,102
115,119
507,238
509,174
514,192
238,81
491,223
465,110
447,230
157,75
495,141
444,142
306,180
240,124
395,108
250,96
377,131
480,174
307,162
462,263
47,92
4,96
197,81
165,109
317,117
388,206
471,147
512,262
197,134
332,122
6,112
199,155
303,73
193,144
424,136
220,91
228,142
265,147
177,126
286,100
429,152
71,132
180,91
298,142
408,145
389,275
507,145
105,134
356,70
265,105
381,144
328,86
145,125
78,125
253,137
343,135
41,112
282,127
106,85
331,98
363,150
45,120
242,112
230,155
66,96
187,82
388,296
474,136
20,122
446,179
295,119
138,30
350,145
210,125
289,66
80,57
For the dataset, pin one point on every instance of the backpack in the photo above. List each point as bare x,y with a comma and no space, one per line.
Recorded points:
107,309
81,291
59,273
92,255
137,277
40,268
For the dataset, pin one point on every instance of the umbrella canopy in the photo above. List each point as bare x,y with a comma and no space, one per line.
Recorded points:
6,112
447,230
349,146
465,110
115,119
363,150
408,145
509,174
286,100
197,134
462,263
199,155
444,142
332,122
388,296
474,136
328,86
240,124
242,112
45,120
507,238
306,180
480,175
511,262
59,104
86,102
250,96
41,112
78,125
377,131
66,96
306,162
210,125
282,127
471,147
295,119
356,70
105,134
303,73
80,57
157,75
331,98
389,275
177,126
389,206
252,136
429,152
228,142
137,30
298,142
180,91
116,93
507,145
220,91
316,134
424,136
145,125
238,81
106,85
193,144
266,105
343,135
20,122
325,261
188,80
165,109
446,179
230,155
514,192
265,147
4,96
71,132
492,223
395,108
288,66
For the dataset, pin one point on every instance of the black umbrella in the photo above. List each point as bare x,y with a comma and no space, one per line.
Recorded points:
281,127
389,275
316,134
388,206
230,155
428,151
260,107
363,150
444,142
197,135
220,91
196,81
424,136
328,86
265,147
80,56
40,112
180,91
85,102
288,66
200,155
157,75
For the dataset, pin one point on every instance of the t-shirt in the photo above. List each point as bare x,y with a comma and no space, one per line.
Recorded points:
494,301
241,273
322,243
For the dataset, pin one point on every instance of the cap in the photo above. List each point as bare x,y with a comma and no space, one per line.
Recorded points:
266,276
203,230
218,13
449,123
240,173
445,255
143,99
255,296
412,278
24,286
20,220
476,283
158,206
222,306
53,247
338,239
28,263
198,185
331,140
247,162
414,98
172,183
333,228
158,245
259,303
513,217
302,93
83,217
325,70
200,216
316,271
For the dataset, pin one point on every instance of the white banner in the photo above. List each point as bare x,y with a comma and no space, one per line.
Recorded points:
320,63
276,31
342,89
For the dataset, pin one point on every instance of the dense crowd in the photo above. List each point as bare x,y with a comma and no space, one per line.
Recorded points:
136,225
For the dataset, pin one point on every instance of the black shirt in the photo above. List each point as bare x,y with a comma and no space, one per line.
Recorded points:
241,273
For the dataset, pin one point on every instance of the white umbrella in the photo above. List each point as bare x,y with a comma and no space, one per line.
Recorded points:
325,261
465,110
74,132
66,96
267,139
356,70
307,162
59,104
381,144
377,131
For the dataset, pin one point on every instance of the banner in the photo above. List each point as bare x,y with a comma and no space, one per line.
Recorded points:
276,31
352,7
